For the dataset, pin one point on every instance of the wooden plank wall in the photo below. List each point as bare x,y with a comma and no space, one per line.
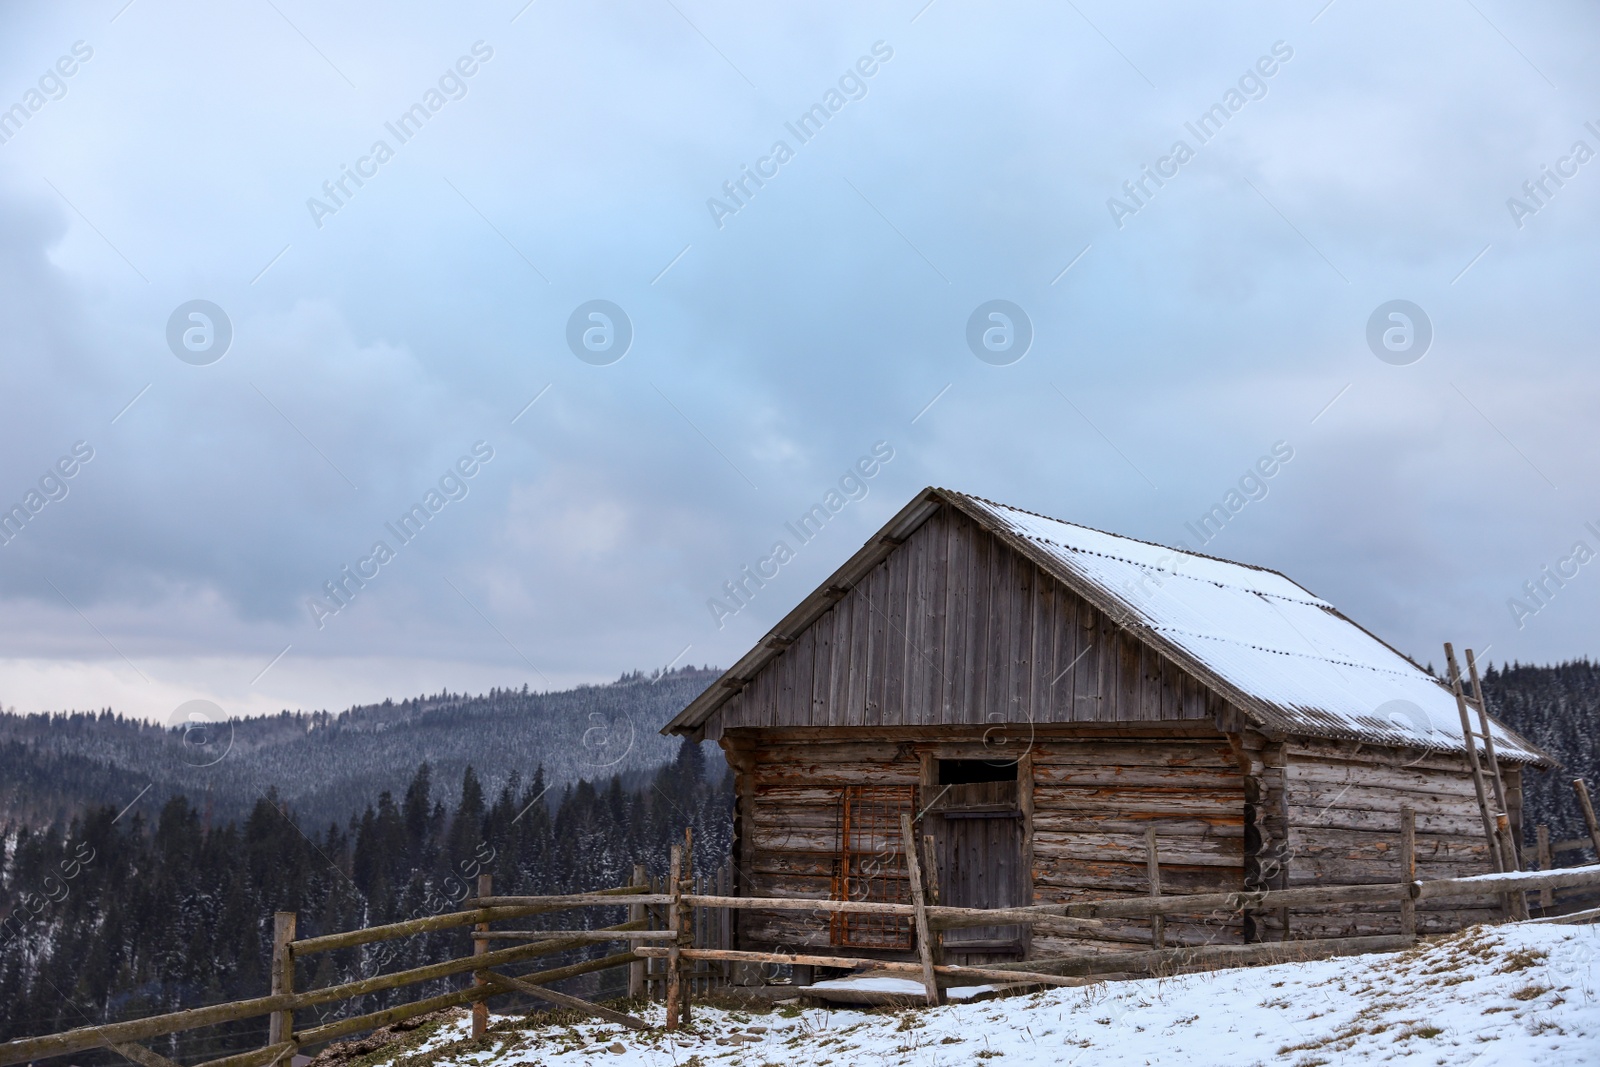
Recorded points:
1343,809
955,628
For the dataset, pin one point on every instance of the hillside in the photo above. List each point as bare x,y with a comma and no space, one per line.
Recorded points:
330,766
1484,997
153,913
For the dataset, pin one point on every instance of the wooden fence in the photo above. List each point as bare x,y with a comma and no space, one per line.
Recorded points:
676,945
709,928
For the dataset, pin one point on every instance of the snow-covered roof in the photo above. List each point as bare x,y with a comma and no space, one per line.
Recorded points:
1311,668
1285,657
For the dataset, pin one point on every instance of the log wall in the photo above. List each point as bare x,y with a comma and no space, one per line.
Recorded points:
786,839
1095,794
1343,812
1091,791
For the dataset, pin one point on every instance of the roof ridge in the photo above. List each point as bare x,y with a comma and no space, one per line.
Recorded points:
1125,537
1175,572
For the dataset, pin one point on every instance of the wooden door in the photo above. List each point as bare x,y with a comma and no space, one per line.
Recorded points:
981,865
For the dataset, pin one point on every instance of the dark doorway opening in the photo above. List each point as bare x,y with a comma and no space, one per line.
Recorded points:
969,771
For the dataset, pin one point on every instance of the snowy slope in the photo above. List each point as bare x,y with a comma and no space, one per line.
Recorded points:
1522,994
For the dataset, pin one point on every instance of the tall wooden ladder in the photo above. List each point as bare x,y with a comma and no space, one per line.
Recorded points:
1496,821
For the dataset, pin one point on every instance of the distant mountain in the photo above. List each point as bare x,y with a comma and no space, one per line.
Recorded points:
327,767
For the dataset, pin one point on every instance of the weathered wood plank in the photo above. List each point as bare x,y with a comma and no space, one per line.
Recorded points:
1367,755
861,623
880,659
804,655
1370,776
981,635
794,839
1077,880
26,1049
932,697
856,749
148,1058
771,818
782,796
1093,802
1118,848
1156,752
790,884
1179,778
1380,845
1381,802
1457,824
517,985
821,637
910,616
1230,825
1135,933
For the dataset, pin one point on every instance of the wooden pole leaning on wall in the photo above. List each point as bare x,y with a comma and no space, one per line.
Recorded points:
1581,787
636,913
1408,871
1152,863
480,946
1474,769
919,918
280,1025
674,947
1495,778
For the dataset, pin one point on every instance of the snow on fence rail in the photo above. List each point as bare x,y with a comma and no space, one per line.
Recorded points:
680,945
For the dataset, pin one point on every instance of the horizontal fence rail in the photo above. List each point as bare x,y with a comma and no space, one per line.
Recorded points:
678,940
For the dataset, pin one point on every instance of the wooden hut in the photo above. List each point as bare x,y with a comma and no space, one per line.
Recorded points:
1040,696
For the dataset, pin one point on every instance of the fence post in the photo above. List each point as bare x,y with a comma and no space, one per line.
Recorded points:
281,1025
1408,871
649,962
686,935
1582,789
725,918
1547,897
1152,862
480,946
636,913
675,926
930,878
1508,851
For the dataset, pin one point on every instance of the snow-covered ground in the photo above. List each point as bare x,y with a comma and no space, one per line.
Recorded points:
1520,994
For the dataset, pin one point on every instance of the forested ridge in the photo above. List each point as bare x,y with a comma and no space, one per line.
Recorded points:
1558,709
120,918
53,766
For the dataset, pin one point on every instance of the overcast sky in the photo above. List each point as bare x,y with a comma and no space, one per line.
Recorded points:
1183,326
